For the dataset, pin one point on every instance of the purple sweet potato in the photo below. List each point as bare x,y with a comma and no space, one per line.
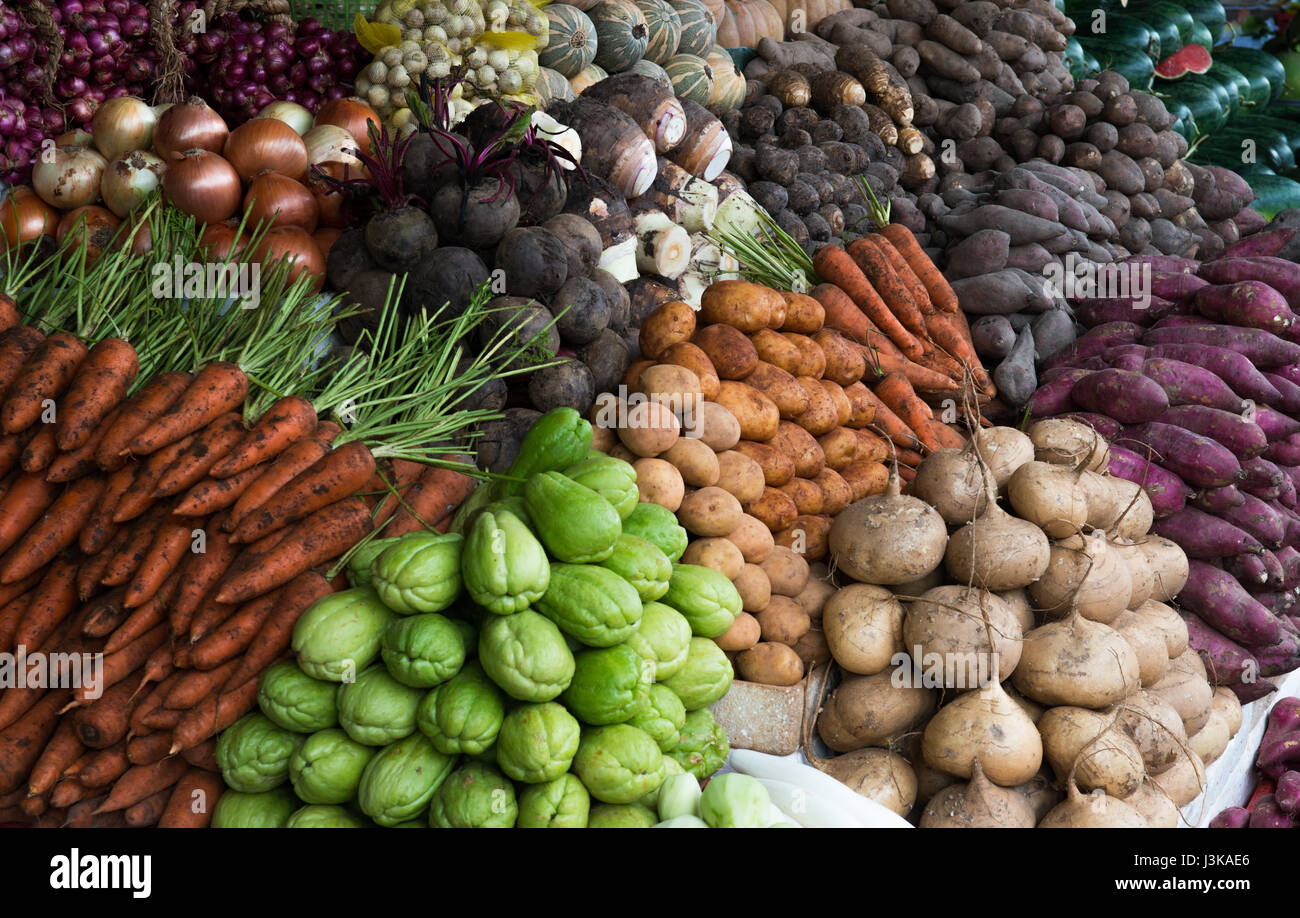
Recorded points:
1106,426
1289,558
1287,494
1279,602
1265,242
1249,304
1215,500
1223,604
1194,458
1276,273
1290,372
1265,349
1138,310
1128,397
1094,341
1053,396
1175,286
1275,424
1178,320
1259,519
1249,569
1282,657
1279,751
1247,692
1283,452
1234,817
1167,491
1261,473
1245,439
1288,394
1168,264
1187,384
1203,536
1233,368
1276,572
1287,793
1268,815
1249,223
1225,660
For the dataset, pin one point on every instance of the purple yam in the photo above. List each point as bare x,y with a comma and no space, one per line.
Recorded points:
1275,424
1259,519
1187,384
1175,287
1277,273
1226,661
1128,397
1249,569
1280,658
1094,341
1265,242
1287,793
1260,473
1288,394
1289,558
1245,439
1223,604
1106,426
1268,815
1169,264
1053,396
1203,536
1196,459
1216,500
1168,492
1139,310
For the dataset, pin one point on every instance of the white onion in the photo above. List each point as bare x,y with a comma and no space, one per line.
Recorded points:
291,113
329,143
122,125
70,178
129,179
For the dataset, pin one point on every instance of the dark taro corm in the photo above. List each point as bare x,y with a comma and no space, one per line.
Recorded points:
401,238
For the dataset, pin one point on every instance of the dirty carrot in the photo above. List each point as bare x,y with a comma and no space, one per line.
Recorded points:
194,685
235,634
890,424
836,266
54,599
11,451
100,528
217,388
98,388
17,345
208,447
288,420
61,751
213,494
173,541
130,550
118,666
842,314
402,475
203,755
138,622
153,701
212,715
73,464
148,747
209,614
81,815
896,392
140,495
162,719
297,458
198,572
10,615
277,631
106,767
104,613
22,505
192,800
157,668
951,332
893,292
39,451
137,414
69,792
941,294
148,811
56,530
44,376
23,741
9,314
141,781
437,494
336,475
104,721
904,271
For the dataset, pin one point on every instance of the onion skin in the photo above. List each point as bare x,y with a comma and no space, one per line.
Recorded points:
129,178
222,241
189,125
325,237
291,113
72,179
123,125
203,185
280,201
98,225
24,218
299,248
329,203
351,114
266,143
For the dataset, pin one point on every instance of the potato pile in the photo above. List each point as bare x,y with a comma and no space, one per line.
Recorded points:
1017,670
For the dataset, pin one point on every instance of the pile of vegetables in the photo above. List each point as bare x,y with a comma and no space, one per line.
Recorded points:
540,654
1045,682
1195,392
1275,803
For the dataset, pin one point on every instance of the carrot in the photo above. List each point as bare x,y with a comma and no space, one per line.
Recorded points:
11,451
55,531
877,269
138,497
98,388
195,685
104,721
909,458
118,666
842,314
69,792
9,314
153,701
138,622
212,715
896,392
203,755
79,763
44,377
276,632
834,265
162,719
235,634
148,747
336,475
137,414
919,376
267,542
324,535
217,388
10,615
920,296
100,528
104,613
60,752
288,420
34,805
24,502
198,572
81,815
106,767
54,600
148,811
158,667
17,345
74,464
181,656
141,781
23,741
435,496
890,424
951,332
171,544
294,460
945,435
401,475
40,450
209,615
192,800
213,494
208,447
129,551
941,294
11,591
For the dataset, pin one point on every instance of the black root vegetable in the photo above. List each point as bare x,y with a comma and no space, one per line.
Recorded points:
401,238
475,217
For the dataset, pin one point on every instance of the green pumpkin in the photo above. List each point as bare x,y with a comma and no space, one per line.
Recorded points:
699,31
551,86
571,45
652,70
665,29
622,34
692,77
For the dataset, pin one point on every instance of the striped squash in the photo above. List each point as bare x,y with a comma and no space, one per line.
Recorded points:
592,73
621,34
651,69
571,44
691,76
699,31
728,81
665,29
551,86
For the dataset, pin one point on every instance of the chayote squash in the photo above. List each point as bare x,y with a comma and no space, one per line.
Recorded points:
463,714
621,816
613,479
267,810
399,781
474,796
671,769
423,650
325,817
659,525
295,701
327,767
682,822
703,748
609,685
706,597
679,796
377,709
575,523
734,801
641,563
557,440
704,678
359,563
619,763
560,804
504,567
420,573
663,638
662,716
340,634
537,742
592,604
525,655
254,754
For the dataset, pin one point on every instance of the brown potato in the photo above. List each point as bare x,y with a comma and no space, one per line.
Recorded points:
651,428
871,447
782,388
812,648
754,589
715,426
659,483
840,447
803,314
812,361
774,510
756,412
753,539
770,664
732,354
836,493
843,407
800,446
670,324
865,478
723,555
773,348
742,635
844,361
603,438
863,405
807,495
740,475
709,512
685,354
737,303
809,535
676,387
693,458
619,451
777,318
632,378
812,599
776,465
783,621
787,571
822,415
